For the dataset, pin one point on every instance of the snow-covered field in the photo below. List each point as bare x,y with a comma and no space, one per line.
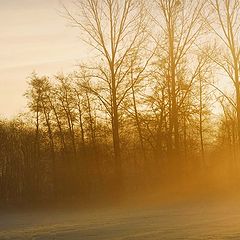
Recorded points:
202,220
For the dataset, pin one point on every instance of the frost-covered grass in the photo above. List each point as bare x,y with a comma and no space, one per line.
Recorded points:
198,220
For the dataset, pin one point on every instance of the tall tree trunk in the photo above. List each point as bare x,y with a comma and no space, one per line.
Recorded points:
59,124
238,105
115,134
173,86
201,121
37,155
138,125
52,147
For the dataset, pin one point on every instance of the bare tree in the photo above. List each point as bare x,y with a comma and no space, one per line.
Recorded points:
226,28
182,26
114,28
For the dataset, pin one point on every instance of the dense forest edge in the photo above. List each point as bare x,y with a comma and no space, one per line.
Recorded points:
156,109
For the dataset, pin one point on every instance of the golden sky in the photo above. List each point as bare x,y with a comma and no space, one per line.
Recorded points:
33,37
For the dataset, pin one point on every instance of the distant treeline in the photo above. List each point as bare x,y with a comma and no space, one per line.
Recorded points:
146,111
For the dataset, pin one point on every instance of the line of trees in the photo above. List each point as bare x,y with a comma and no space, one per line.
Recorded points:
141,112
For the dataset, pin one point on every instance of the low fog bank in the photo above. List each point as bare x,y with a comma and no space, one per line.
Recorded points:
182,214
200,204
212,183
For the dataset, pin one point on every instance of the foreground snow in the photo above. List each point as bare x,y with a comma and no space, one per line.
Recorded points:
202,220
